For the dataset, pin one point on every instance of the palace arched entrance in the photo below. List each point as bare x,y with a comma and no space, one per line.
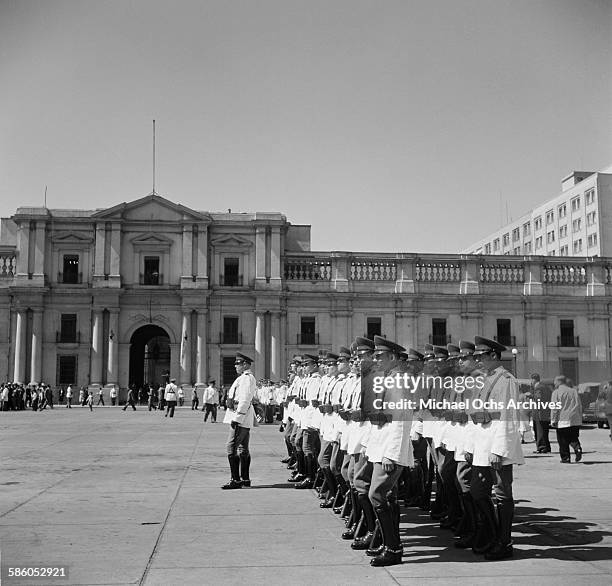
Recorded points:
149,356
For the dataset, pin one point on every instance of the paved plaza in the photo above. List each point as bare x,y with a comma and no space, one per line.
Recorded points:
133,498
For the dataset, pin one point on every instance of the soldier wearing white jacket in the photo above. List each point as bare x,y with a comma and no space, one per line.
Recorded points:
495,447
240,415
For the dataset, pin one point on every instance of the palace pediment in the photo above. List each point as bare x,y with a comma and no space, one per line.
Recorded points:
152,208
72,238
231,241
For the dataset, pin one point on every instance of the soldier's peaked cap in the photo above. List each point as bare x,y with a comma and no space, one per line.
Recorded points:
453,350
466,347
429,353
311,357
344,351
363,344
414,354
383,345
483,345
296,359
331,357
354,348
440,352
243,357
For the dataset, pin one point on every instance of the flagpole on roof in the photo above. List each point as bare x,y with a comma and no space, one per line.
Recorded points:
153,193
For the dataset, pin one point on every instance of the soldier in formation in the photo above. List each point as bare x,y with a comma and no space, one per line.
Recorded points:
370,424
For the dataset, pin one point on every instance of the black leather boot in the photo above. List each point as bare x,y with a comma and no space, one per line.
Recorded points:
369,520
487,530
469,523
392,552
503,547
376,544
356,515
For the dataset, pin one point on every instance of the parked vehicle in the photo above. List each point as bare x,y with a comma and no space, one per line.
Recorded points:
588,395
603,405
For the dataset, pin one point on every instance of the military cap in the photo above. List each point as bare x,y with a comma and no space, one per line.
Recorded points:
414,354
484,345
363,345
310,358
403,355
383,345
330,357
466,348
429,353
297,359
453,350
243,358
440,352
344,352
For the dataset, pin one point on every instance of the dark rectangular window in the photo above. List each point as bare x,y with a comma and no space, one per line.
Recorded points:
374,327
230,330
504,335
567,337
151,270
71,269
229,371
231,278
307,331
68,327
569,368
438,332
66,370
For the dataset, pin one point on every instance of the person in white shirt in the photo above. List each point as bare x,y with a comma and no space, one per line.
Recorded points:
170,397
113,396
240,415
181,396
69,397
211,401
567,419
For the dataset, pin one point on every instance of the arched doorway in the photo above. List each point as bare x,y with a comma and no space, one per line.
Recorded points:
149,356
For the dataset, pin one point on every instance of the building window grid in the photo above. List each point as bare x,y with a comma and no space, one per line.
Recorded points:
496,244
516,234
563,231
589,197
590,218
538,242
576,225
562,210
538,223
506,239
592,240
550,217
527,247
550,237
578,246
527,229
575,203
563,251
488,248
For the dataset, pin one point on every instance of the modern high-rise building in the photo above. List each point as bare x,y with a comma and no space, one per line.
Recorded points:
577,222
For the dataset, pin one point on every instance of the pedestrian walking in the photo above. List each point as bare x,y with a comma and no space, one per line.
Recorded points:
195,401
131,398
113,395
566,417
89,400
541,414
181,396
170,397
69,397
101,397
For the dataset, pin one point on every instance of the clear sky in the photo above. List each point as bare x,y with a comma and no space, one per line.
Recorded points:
387,125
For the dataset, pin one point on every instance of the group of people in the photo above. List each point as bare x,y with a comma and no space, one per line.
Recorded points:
364,445
18,397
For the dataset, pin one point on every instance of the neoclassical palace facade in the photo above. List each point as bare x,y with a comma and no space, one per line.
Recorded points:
131,293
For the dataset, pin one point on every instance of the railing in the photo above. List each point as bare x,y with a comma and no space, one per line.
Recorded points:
439,272
8,265
231,280
230,338
439,339
68,337
70,278
506,340
568,341
307,270
492,272
308,339
565,274
373,270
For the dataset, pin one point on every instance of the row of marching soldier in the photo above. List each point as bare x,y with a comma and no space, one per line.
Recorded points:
363,445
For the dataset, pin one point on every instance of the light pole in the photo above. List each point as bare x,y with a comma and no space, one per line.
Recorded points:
514,355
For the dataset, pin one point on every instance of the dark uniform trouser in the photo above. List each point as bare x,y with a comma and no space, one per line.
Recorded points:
362,481
483,479
194,403
337,459
238,453
288,433
211,409
170,408
311,447
383,498
448,473
464,476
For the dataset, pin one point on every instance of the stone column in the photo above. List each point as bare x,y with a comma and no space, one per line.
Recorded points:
202,270
185,362
260,253
100,247
283,343
20,347
275,257
96,348
23,249
275,372
36,360
115,251
112,372
187,265
39,250
260,351
201,350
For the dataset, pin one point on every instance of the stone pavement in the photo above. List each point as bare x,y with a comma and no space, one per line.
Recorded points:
133,498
